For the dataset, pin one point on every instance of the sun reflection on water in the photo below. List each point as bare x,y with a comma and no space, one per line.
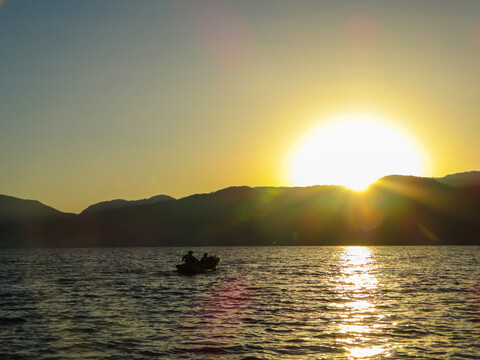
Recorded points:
357,287
362,353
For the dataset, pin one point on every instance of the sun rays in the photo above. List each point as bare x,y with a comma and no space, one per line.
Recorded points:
354,151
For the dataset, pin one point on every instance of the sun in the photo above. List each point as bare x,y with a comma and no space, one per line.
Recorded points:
353,150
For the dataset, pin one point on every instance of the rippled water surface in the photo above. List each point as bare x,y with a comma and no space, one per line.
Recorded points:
261,303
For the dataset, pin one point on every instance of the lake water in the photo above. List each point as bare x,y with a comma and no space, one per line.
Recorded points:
261,303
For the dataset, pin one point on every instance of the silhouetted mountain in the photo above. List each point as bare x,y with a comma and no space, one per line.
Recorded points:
420,210
397,210
22,222
119,203
14,209
463,179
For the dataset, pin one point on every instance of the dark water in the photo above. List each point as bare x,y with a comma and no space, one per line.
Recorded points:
262,303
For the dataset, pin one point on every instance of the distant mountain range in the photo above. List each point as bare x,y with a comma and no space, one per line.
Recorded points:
396,210
463,179
120,203
12,208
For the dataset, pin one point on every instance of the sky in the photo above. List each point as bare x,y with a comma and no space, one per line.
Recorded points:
111,99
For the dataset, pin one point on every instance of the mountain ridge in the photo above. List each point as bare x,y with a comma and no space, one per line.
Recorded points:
396,210
466,178
13,207
119,203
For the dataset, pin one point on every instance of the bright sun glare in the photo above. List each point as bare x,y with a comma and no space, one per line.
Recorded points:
353,151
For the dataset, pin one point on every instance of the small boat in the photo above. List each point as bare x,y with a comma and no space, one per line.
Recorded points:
209,264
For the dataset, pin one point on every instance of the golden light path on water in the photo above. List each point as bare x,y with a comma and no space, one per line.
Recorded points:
357,286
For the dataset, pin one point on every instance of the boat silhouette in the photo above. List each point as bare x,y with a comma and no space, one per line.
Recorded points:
206,265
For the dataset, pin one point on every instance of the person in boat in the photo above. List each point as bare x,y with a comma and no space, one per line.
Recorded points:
204,259
190,259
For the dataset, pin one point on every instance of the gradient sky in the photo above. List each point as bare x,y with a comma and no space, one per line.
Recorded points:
129,99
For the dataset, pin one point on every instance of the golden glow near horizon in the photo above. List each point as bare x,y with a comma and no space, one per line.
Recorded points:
353,150
195,96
